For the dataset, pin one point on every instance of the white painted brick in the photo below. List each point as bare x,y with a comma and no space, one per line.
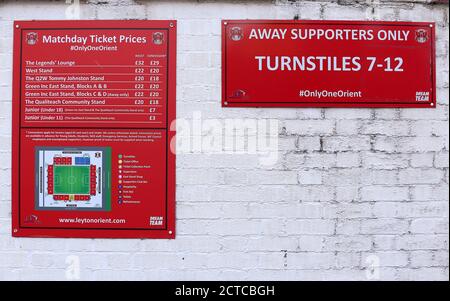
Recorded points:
347,193
441,112
348,114
342,144
13,259
384,193
310,127
308,144
310,226
422,242
345,243
312,193
5,146
420,176
422,160
429,259
314,160
441,160
348,159
313,243
423,274
272,177
348,211
388,259
199,176
384,127
429,225
310,261
270,244
384,161
421,13
124,12
115,245
309,113
410,209
430,128
428,193
310,177
356,12
344,177
409,144
347,127
387,114
348,183
348,227
384,226
384,242
309,10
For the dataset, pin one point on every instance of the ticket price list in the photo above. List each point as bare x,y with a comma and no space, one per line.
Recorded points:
64,91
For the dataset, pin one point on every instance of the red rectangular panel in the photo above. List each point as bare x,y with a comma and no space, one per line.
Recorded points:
93,103
328,64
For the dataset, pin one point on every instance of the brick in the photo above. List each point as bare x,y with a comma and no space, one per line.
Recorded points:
423,274
422,242
310,261
429,259
384,161
429,225
384,127
13,259
347,127
420,176
348,227
410,209
430,128
310,127
384,193
342,144
310,177
417,114
308,144
345,186
388,258
310,226
430,193
344,243
348,114
441,160
348,159
384,226
422,160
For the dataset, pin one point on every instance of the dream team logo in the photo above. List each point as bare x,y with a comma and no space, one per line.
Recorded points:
421,35
158,38
32,38
236,33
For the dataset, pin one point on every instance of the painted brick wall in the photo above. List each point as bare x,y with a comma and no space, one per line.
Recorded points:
355,194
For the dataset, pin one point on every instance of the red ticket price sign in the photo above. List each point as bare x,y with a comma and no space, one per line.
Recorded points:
328,64
93,102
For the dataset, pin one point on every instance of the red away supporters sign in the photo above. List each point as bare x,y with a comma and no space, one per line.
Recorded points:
327,64
92,106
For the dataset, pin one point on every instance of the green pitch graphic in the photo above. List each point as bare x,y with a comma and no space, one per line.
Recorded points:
71,179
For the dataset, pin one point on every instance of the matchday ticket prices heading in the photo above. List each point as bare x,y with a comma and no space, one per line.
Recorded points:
95,78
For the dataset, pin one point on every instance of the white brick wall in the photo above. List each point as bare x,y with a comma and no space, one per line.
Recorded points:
353,190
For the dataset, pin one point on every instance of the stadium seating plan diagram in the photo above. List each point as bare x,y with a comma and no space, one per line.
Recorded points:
73,178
